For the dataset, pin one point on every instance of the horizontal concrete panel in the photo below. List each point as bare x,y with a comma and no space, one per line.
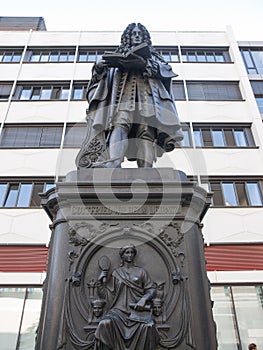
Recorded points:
83,71
233,225
24,226
37,112
9,71
232,162
14,39
77,112
96,38
230,277
208,71
214,111
28,162
49,38
46,71
214,161
22,278
203,38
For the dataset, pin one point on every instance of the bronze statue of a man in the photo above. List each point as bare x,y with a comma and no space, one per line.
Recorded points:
131,107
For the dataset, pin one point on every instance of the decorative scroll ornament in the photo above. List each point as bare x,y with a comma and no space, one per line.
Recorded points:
91,153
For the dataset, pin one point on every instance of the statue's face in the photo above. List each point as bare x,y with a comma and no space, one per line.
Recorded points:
97,310
157,310
136,36
128,255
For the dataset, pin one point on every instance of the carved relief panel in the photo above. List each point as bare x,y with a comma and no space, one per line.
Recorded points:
127,287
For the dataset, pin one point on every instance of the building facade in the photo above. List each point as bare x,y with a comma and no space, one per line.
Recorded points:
219,97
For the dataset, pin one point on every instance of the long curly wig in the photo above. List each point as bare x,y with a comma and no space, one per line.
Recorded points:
126,44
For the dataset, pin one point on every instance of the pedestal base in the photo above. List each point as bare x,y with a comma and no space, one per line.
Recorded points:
96,215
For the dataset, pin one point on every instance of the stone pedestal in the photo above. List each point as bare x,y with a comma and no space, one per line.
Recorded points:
97,212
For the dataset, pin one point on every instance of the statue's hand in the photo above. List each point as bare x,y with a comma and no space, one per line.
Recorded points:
100,65
103,276
140,304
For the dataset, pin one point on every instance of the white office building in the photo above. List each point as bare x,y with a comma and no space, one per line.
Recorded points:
219,97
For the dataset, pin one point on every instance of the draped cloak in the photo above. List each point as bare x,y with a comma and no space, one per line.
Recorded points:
146,95
117,330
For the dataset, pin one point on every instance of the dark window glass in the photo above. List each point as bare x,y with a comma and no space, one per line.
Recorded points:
253,192
225,136
3,189
236,193
25,93
169,55
53,55
198,138
75,135
206,55
240,138
218,138
213,91
259,101
31,136
5,90
91,54
22,194
41,92
12,195
178,91
253,58
186,140
7,56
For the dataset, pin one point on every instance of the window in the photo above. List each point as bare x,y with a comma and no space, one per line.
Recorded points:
9,55
5,90
205,55
178,91
28,136
238,314
22,306
253,58
186,142
236,192
223,136
259,101
50,55
75,135
92,54
169,54
22,194
79,91
213,91
41,92
257,87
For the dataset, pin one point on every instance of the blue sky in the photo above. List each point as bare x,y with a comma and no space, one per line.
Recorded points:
245,16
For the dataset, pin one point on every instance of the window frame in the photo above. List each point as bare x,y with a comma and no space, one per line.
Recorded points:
12,52
56,91
49,53
96,52
205,52
202,90
241,191
229,133
33,201
39,135
251,67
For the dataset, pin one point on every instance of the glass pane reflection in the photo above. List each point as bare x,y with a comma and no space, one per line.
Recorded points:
11,307
224,318
248,305
30,319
